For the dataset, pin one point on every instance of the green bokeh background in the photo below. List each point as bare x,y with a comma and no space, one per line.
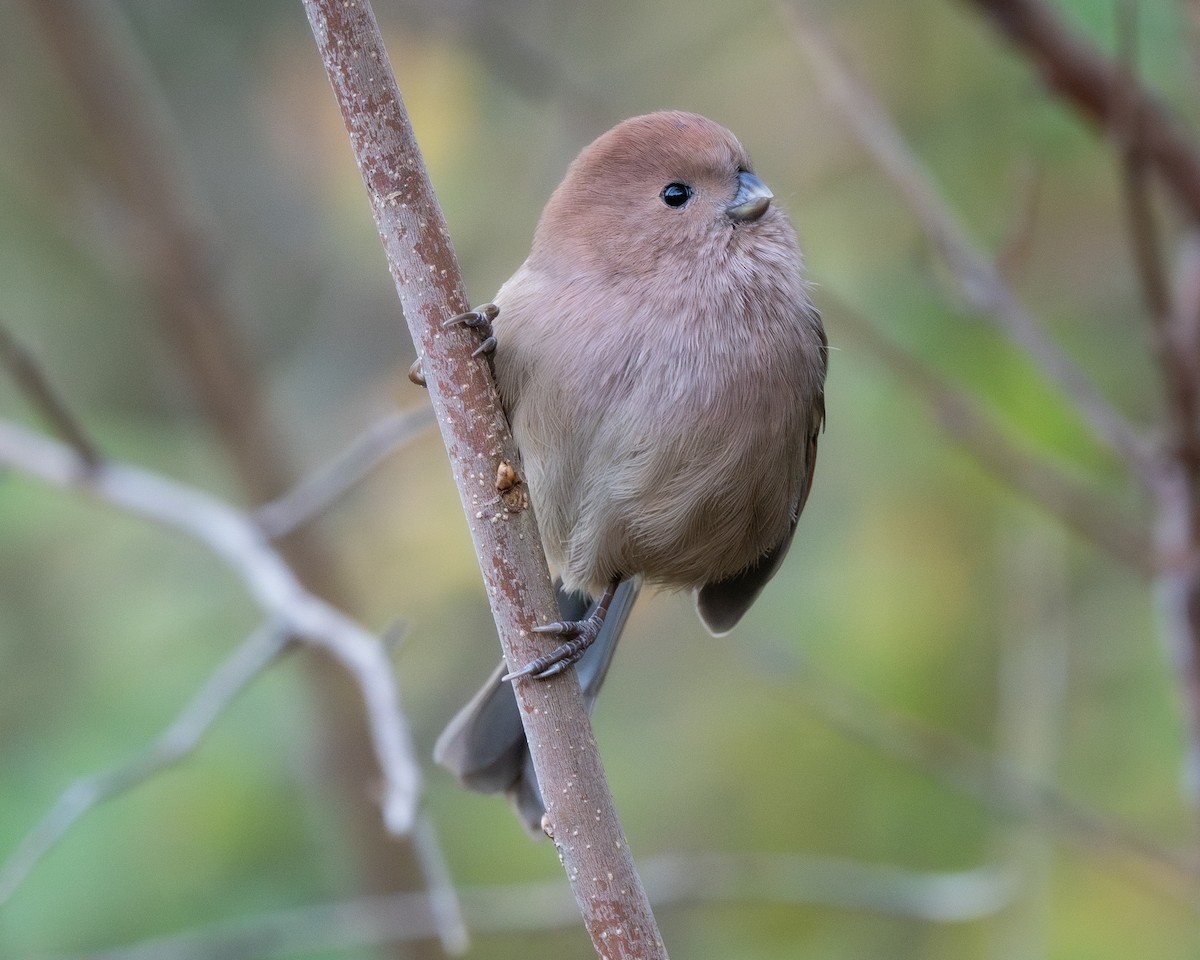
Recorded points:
919,590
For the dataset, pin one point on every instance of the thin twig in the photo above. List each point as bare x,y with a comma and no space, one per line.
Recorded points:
581,815
1178,495
980,282
1031,700
239,543
1098,519
322,488
1093,83
445,907
184,256
997,787
32,381
528,908
1177,346
1135,181
179,739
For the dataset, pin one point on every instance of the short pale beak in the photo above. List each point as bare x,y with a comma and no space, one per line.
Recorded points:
752,199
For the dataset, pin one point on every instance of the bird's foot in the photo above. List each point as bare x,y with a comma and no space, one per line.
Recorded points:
480,319
579,634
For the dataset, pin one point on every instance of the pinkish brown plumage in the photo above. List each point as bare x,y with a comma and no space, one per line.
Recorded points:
663,371
662,367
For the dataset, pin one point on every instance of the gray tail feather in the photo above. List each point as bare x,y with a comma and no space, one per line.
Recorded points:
484,745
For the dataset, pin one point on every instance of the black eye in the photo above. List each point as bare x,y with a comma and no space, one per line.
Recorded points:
676,194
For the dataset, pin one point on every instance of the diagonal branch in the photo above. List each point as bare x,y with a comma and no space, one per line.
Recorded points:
249,659
321,489
238,542
1007,793
581,815
32,381
1098,87
980,282
184,257
1148,138
960,417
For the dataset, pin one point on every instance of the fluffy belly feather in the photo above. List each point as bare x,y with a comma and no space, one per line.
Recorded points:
693,504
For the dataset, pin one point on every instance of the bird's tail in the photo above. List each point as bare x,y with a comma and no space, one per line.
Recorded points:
484,745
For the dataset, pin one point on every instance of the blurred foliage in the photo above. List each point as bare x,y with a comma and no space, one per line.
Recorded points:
914,578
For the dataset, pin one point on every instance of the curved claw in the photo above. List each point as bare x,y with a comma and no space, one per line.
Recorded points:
525,671
477,318
480,320
562,656
580,635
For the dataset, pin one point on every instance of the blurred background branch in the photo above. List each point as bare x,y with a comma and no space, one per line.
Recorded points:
1103,93
1107,91
1089,514
1147,135
979,281
247,660
517,910
184,263
237,542
36,386
315,493
293,613
1013,794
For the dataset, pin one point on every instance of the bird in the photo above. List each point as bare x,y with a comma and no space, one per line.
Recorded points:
663,371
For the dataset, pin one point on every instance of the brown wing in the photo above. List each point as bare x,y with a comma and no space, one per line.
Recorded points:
723,603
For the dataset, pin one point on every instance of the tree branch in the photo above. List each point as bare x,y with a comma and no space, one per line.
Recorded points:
522,909
1101,92
960,765
1177,349
239,543
1107,92
107,72
1099,520
184,258
320,489
32,381
1176,337
980,282
249,659
581,816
